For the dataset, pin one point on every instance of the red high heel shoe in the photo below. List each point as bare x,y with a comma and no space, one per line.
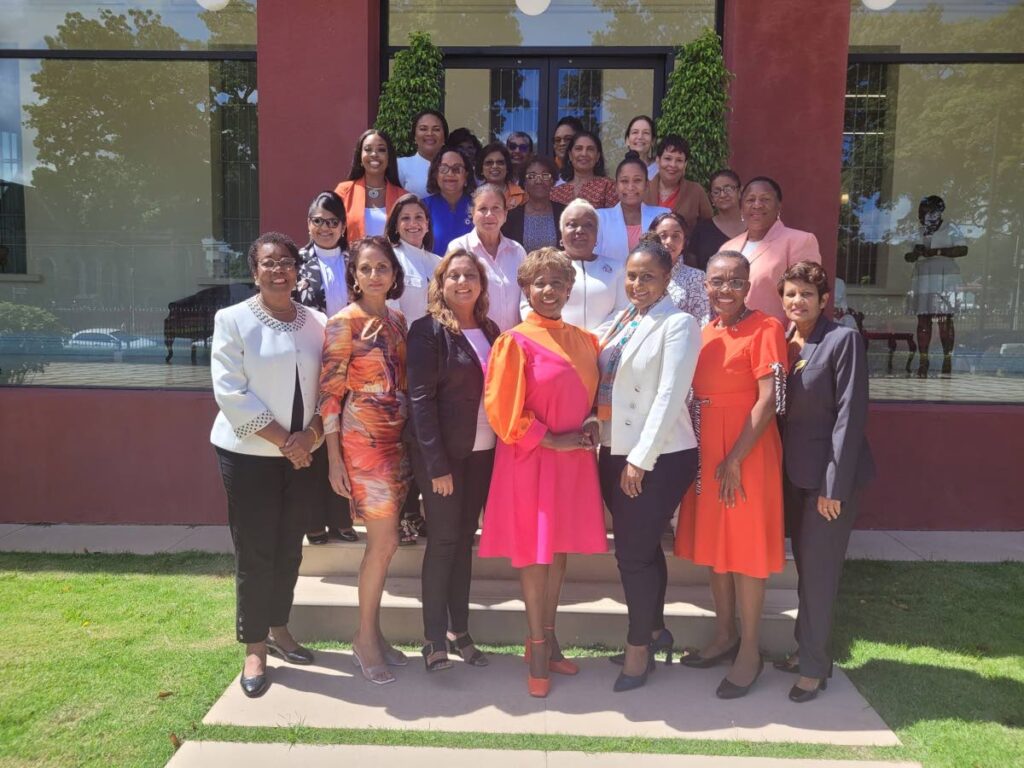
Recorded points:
560,666
539,687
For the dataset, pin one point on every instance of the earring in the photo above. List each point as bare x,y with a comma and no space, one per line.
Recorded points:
357,291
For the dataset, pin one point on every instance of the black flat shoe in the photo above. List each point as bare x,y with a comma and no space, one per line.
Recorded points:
459,644
697,661
801,695
729,690
785,665
254,686
339,534
300,655
626,682
441,662
663,642
317,538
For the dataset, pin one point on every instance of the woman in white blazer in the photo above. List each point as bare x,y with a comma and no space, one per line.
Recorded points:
621,226
265,366
648,449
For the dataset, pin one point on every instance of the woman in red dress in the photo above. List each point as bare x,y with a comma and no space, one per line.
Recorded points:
732,520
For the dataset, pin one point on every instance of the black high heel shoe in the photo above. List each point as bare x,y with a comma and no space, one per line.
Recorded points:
801,695
300,655
729,690
626,682
663,642
697,661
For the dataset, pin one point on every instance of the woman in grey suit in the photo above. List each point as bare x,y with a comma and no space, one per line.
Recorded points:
826,459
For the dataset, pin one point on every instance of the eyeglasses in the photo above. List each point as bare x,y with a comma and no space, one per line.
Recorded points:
538,176
515,145
451,170
272,264
735,284
320,221
728,189
494,163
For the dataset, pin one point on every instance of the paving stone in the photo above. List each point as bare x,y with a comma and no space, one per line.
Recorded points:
137,539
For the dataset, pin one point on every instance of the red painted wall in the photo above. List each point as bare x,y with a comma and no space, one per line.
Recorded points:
790,59
318,73
108,456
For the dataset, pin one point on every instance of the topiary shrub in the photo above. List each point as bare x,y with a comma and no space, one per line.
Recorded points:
696,105
20,318
414,85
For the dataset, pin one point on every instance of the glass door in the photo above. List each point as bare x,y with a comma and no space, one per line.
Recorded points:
495,97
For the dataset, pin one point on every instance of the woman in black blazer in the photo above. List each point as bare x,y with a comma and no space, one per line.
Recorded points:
453,445
535,223
826,458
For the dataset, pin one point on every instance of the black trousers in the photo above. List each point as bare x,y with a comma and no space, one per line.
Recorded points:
268,511
448,561
819,548
334,512
638,525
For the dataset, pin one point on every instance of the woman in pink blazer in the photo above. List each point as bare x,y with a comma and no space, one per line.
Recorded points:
769,245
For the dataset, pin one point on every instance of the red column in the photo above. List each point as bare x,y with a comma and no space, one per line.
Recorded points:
790,59
318,65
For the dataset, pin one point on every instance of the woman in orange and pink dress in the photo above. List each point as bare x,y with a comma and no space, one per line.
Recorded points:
732,518
363,402
545,498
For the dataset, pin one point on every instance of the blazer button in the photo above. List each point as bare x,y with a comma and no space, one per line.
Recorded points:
629,423
632,406
636,388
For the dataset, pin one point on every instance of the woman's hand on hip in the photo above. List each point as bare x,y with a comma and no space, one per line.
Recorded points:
829,508
632,480
730,482
567,441
339,478
444,485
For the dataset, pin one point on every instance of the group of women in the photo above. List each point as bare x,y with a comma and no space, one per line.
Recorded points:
541,356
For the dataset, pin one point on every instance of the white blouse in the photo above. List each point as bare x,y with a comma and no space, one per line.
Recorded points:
419,266
485,437
253,364
374,221
412,174
332,267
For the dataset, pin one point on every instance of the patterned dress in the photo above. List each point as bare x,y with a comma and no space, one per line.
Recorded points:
599,192
542,376
362,386
686,287
748,537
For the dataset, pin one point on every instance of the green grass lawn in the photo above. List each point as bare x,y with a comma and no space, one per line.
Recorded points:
109,659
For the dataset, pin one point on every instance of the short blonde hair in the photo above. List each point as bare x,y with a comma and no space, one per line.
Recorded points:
578,204
541,259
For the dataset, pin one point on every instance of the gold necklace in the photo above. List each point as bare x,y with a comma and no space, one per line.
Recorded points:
277,313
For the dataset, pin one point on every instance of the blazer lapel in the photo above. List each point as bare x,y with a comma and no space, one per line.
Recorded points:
772,234
647,324
812,343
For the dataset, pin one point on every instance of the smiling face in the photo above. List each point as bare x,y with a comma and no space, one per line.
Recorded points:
495,168
451,175
325,229
461,287
518,147
760,206
640,136
488,214
672,166
725,193
429,136
584,155
548,293
412,224
579,233
560,142
276,271
646,280
631,183
727,284
672,237
374,273
801,302
374,154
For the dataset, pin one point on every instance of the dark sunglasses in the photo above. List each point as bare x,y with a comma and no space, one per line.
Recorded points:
524,147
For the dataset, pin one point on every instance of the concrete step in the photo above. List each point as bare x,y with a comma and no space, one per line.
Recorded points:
326,608
342,559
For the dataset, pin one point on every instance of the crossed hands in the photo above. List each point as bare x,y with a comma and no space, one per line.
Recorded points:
298,449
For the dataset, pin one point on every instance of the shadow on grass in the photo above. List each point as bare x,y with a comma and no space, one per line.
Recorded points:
171,564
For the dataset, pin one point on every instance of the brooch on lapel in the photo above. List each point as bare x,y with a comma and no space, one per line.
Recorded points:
607,268
799,365
469,221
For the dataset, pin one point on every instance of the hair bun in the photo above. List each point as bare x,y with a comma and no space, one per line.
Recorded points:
632,155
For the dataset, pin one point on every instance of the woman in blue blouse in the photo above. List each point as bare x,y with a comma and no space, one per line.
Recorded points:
450,182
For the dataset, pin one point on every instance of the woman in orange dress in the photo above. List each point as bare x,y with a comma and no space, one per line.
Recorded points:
732,519
362,386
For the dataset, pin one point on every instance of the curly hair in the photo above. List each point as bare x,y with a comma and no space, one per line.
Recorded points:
271,238
541,259
438,308
809,272
382,245
432,186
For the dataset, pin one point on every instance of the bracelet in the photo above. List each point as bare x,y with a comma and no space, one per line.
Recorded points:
316,435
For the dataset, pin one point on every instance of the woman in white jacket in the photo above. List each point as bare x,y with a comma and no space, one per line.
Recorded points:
265,366
621,226
648,449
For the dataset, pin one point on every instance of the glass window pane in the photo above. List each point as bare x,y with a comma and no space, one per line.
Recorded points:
114,25
138,184
564,23
950,131
948,26
493,102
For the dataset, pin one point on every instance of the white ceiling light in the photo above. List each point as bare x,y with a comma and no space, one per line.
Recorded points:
878,5
533,7
214,5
